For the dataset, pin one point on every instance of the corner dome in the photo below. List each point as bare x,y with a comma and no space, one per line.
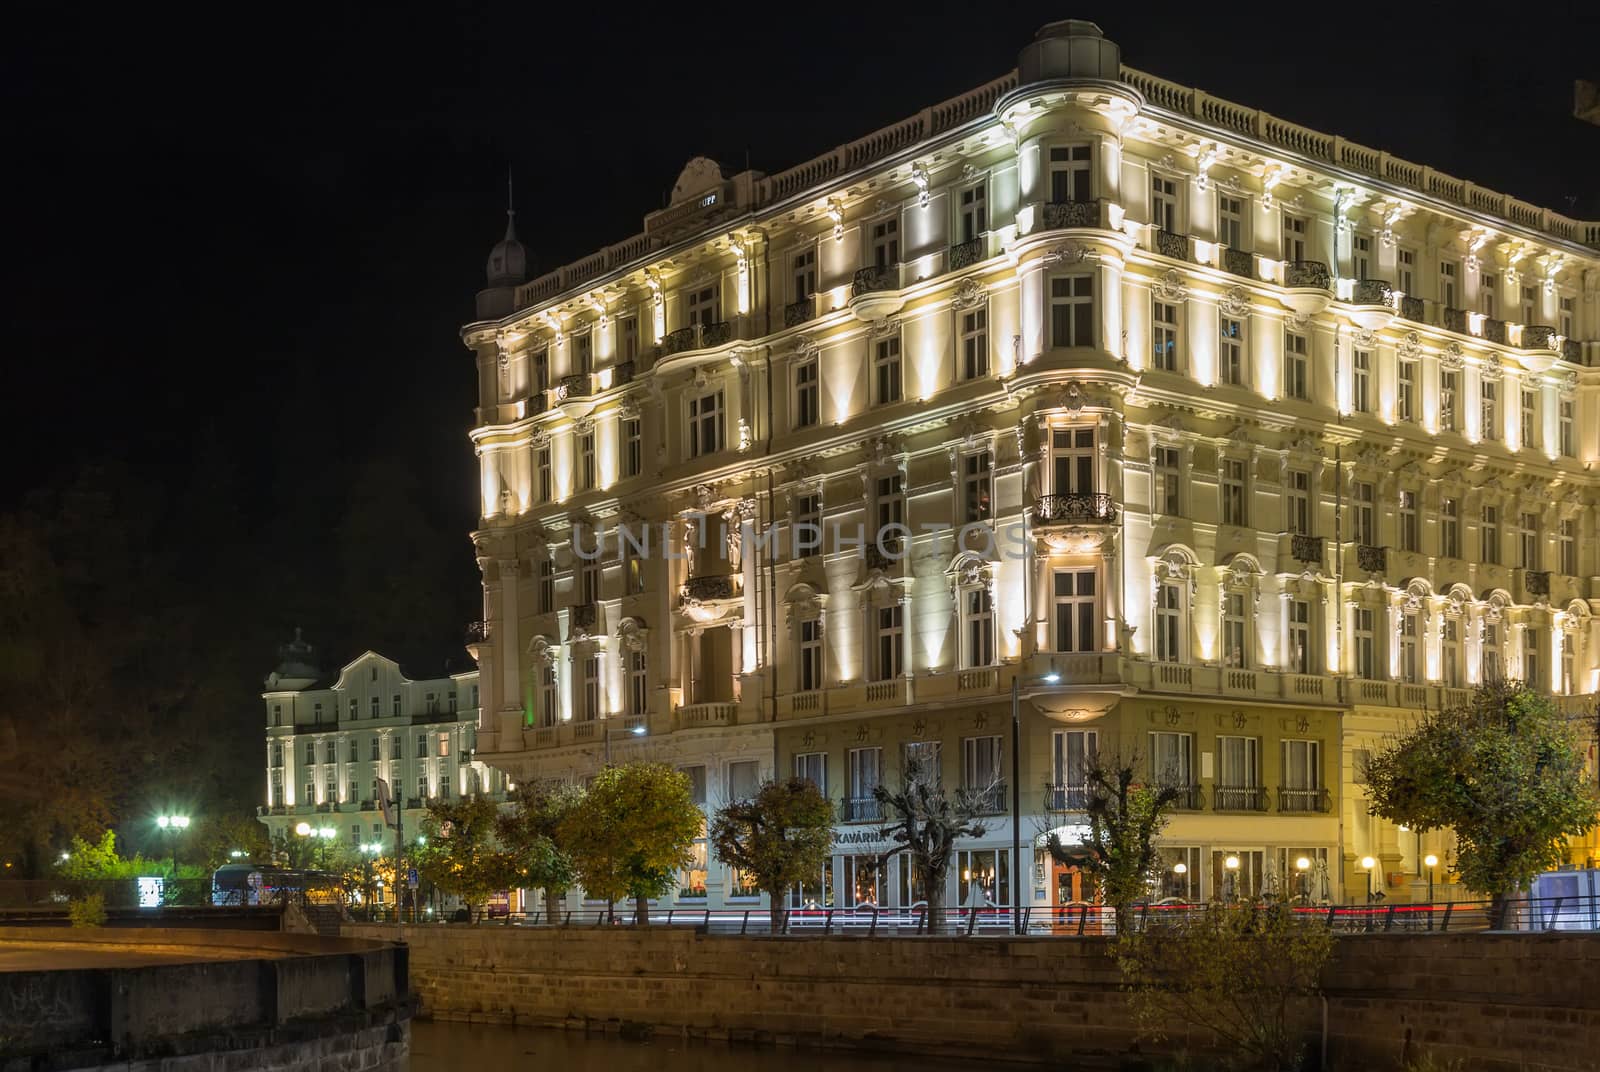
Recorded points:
508,260
1069,49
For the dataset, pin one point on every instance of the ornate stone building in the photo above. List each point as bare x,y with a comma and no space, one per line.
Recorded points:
1228,442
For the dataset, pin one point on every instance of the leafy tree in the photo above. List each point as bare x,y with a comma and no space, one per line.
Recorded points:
1237,972
530,832
215,838
458,853
780,837
93,860
631,833
925,821
1504,771
1125,816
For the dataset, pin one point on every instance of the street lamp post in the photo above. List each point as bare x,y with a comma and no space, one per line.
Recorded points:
1231,864
1181,869
1367,865
170,825
1051,678
1303,865
1432,862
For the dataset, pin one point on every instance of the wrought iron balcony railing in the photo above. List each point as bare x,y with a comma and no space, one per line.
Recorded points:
1172,244
585,615
1572,350
1239,262
1239,798
1454,319
1372,559
674,342
1190,798
1306,549
574,386
535,404
1060,796
1075,508
798,312
883,555
1414,309
875,278
622,373
477,632
1538,337
716,334
710,586
963,254
1303,800
1494,330
1307,274
1372,292
1059,214
988,800
861,810
1537,582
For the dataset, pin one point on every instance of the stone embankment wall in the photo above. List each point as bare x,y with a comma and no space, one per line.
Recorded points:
1502,1002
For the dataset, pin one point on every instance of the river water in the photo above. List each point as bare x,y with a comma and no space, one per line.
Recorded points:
446,1047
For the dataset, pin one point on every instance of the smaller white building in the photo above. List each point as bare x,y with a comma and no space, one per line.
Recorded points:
329,741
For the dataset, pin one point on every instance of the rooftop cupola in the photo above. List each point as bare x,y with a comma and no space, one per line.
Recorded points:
507,268
1070,49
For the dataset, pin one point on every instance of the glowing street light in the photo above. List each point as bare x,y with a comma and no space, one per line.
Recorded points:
1368,864
1432,862
171,825
1302,865
1231,863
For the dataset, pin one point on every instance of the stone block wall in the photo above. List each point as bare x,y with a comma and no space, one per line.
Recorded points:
1525,1002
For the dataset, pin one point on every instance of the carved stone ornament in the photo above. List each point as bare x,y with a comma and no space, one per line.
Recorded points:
969,292
1363,338
1492,372
1066,254
1451,360
1235,303
879,450
889,325
804,346
1298,321
1567,384
704,496
1410,346
504,361
1171,287
1072,398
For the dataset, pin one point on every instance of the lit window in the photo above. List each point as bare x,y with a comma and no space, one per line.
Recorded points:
1230,363
1072,311
1296,367
974,218
1361,382
1069,174
886,370
705,425
974,344
1164,202
1447,400
1489,415
977,486
1164,336
805,393
1168,498
1075,610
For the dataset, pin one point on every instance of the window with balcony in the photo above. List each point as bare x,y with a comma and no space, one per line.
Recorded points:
1076,610
1528,541
974,343
1447,285
541,370
888,642
1164,336
807,524
813,767
1172,759
1406,270
806,393
977,627
1361,382
1234,500
582,351
1567,546
1410,636
803,272
1072,461
977,487
1450,528
1409,535
1298,518
866,774
1236,646
928,759
1070,173
886,377
1230,355
1363,501
972,218
1296,367
1072,310
638,683
589,678
549,705
705,425
1230,221
1406,391
1566,416
982,771
1238,784
1302,652
627,338
1302,776
701,306
1489,295
1366,647
1074,750
1489,650
1168,498
1170,647
808,668
1529,308
1489,409
1164,202
1361,256
1296,229
586,474
885,235
1568,316
1490,531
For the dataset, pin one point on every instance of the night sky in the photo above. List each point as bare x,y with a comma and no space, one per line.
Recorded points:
249,237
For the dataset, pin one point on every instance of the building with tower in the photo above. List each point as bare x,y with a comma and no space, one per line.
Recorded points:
1227,443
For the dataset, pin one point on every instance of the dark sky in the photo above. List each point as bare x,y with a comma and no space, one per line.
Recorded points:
256,230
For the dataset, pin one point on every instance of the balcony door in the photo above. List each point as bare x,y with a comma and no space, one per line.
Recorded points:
1072,461
713,666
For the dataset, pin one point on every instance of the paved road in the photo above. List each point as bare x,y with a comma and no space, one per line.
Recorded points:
43,956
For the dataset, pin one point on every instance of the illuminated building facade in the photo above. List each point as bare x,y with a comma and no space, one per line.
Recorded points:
329,741
1232,443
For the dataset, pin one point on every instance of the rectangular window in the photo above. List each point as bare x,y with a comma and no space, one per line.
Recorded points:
1406,393
807,539
1233,492
1409,535
1449,529
1172,759
1164,336
1361,382
638,683
804,269
1296,367
1072,461
1075,611
810,664
890,504
1298,517
1363,499
1169,623
1530,306
549,701
806,395
1532,664
1235,631
702,306
1302,766
1074,750
1361,257
541,370
1230,221
632,446
590,671
1568,317
1230,359
1488,294
1528,542
547,585
1529,436
582,351
376,745
886,370
1168,498
1365,644
589,581
1490,650
586,461
705,425
981,767
928,758
377,707
1491,535
1406,271
1447,285
1410,634
1072,311
974,218
1295,230
977,627
1567,543
1489,409
813,767
977,487
975,344
627,338
1566,415
1301,654
1447,400
866,772
1070,174
865,881
744,779
1164,202
888,642
1450,651
1238,773
886,242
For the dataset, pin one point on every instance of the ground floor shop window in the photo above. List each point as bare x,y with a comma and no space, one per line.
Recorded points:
1177,874
741,885
1237,874
692,878
912,890
983,877
863,881
818,894
1302,876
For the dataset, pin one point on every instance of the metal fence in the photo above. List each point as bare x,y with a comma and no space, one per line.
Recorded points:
53,895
